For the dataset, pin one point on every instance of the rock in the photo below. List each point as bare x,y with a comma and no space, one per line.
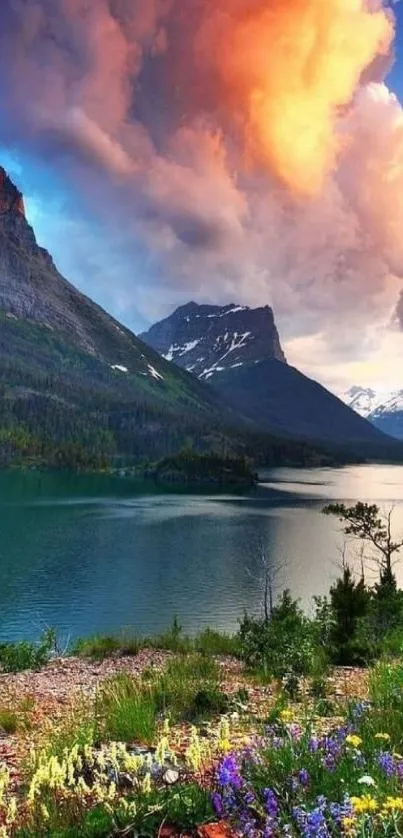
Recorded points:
125,781
171,776
215,830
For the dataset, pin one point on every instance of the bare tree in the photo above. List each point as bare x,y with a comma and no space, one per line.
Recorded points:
271,579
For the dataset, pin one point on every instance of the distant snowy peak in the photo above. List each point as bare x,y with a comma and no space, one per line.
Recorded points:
370,403
206,340
383,408
360,399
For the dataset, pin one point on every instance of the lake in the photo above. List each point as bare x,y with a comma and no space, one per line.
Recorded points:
88,554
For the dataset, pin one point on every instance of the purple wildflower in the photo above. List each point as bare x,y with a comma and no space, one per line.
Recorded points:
387,763
303,777
218,804
271,803
229,772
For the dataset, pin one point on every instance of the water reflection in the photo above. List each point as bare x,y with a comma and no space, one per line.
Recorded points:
89,556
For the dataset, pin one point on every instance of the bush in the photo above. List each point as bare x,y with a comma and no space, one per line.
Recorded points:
189,688
18,657
281,647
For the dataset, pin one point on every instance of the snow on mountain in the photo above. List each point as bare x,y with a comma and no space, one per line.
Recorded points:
206,339
383,408
237,351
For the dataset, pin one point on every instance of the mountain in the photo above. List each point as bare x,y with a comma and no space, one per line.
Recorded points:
70,372
237,350
77,388
207,339
383,409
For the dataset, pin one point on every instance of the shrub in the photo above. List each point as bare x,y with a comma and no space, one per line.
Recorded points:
216,643
8,721
18,657
186,677
282,647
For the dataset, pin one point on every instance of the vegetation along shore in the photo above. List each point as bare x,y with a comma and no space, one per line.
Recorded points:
293,726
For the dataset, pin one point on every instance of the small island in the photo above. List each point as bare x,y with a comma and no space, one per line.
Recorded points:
190,469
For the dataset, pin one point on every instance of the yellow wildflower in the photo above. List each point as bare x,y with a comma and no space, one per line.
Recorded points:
393,804
12,810
362,805
383,736
349,826
224,744
286,716
353,740
146,784
44,813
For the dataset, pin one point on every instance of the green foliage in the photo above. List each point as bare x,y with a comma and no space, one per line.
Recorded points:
193,467
189,688
98,647
282,647
17,657
350,603
126,711
8,721
211,642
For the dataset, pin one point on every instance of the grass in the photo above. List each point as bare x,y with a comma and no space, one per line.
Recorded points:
207,642
78,727
189,688
126,711
9,721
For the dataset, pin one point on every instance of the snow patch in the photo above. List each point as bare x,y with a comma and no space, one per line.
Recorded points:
154,373
176,349
119,368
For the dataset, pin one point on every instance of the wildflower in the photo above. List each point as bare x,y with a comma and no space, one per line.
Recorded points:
353,740
387,762
286,716
303,777
394,804
348,826
360,708
366,780
44,813
228,772
146,784
271,803
218,804
383,736
224,744
365,804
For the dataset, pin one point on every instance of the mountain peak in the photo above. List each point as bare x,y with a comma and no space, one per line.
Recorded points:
11,199
205,339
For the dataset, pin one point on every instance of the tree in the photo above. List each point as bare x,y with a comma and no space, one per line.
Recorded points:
364,521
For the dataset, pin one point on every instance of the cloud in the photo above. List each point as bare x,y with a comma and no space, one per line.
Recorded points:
227,150
399,311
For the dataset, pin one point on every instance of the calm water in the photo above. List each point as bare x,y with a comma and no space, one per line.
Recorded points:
96,554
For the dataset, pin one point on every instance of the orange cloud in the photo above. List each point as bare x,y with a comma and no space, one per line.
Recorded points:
288,68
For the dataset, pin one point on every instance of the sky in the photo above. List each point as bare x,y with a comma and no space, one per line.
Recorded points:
246,151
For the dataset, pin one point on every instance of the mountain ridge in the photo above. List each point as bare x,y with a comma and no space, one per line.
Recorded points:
78,388
237,350
384,409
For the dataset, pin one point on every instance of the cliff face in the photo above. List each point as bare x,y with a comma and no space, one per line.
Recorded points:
207,339
57,345
11,200
237,350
